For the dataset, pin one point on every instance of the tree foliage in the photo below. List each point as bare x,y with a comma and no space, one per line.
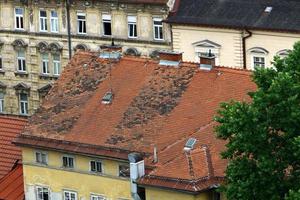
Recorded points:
263,135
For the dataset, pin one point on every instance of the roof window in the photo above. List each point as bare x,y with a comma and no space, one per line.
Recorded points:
190,144
268,9
107,98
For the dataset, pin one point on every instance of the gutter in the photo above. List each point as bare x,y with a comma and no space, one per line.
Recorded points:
244,38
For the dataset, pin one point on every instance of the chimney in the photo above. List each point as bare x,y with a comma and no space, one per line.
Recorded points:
111,51
137,170
155,158
207,62
170,58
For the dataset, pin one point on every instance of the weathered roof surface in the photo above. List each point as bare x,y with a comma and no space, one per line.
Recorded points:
12,186
153,105
250,14
10,128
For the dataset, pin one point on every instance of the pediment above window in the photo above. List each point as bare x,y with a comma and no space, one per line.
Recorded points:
283,52
206,44
22,87
19,44
55,47
258,50
45,88
83,47
42,47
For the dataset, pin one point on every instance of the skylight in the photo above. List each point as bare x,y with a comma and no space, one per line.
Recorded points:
107,98
268,9
190,144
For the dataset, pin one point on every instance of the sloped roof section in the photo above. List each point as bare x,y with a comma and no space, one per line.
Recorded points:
153,106
240,14
12,185
10,128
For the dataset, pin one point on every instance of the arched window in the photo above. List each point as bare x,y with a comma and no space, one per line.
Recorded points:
258,57
82,47
132,52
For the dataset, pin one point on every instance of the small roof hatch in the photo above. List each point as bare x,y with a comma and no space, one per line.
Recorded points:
107,98
190,144
268,9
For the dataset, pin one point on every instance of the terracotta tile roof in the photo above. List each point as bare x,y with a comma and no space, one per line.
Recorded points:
10,128
153,105
12,186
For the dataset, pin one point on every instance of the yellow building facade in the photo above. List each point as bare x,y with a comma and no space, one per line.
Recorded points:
56,179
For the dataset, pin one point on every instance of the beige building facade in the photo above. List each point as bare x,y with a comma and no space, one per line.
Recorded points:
227,45
34,41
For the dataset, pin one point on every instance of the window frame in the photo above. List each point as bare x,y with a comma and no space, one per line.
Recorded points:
2,102
45,64
70,192
45,21
120,165
19,19
160,27
68,156
42,187
21,61
1,63
83,21
23,103
97,196
56,64
41,152
56,19
106,18
132,21
96,161
253,62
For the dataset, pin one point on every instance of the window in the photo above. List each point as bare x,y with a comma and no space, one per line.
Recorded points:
41,157
1,65
19,18
42,193
158,29
96,166
1,102
124,171
258,61
43,21
45,63
97,197
106,20
81,23
23,104
56,64
68,195
132,33
21,60
54,21
68,161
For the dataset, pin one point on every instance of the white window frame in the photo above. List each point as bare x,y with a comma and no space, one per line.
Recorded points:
106,18
69,192
159,27
21,61
68,156
96,161
45,64
132,21
41,152
43,21
260,56
97,197
54,22
2,97
23,104
19,19
56,65
83,21
37,187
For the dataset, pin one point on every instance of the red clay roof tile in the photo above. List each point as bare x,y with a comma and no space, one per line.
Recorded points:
153,106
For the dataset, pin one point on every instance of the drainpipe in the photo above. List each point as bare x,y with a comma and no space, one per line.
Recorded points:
244,47
69,28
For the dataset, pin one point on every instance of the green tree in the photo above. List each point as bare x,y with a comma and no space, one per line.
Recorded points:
263,135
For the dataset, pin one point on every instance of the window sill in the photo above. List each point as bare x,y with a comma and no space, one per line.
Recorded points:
2,71
48,76
21,74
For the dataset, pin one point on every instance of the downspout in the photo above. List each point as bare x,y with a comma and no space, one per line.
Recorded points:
172,45
69,28
244,47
